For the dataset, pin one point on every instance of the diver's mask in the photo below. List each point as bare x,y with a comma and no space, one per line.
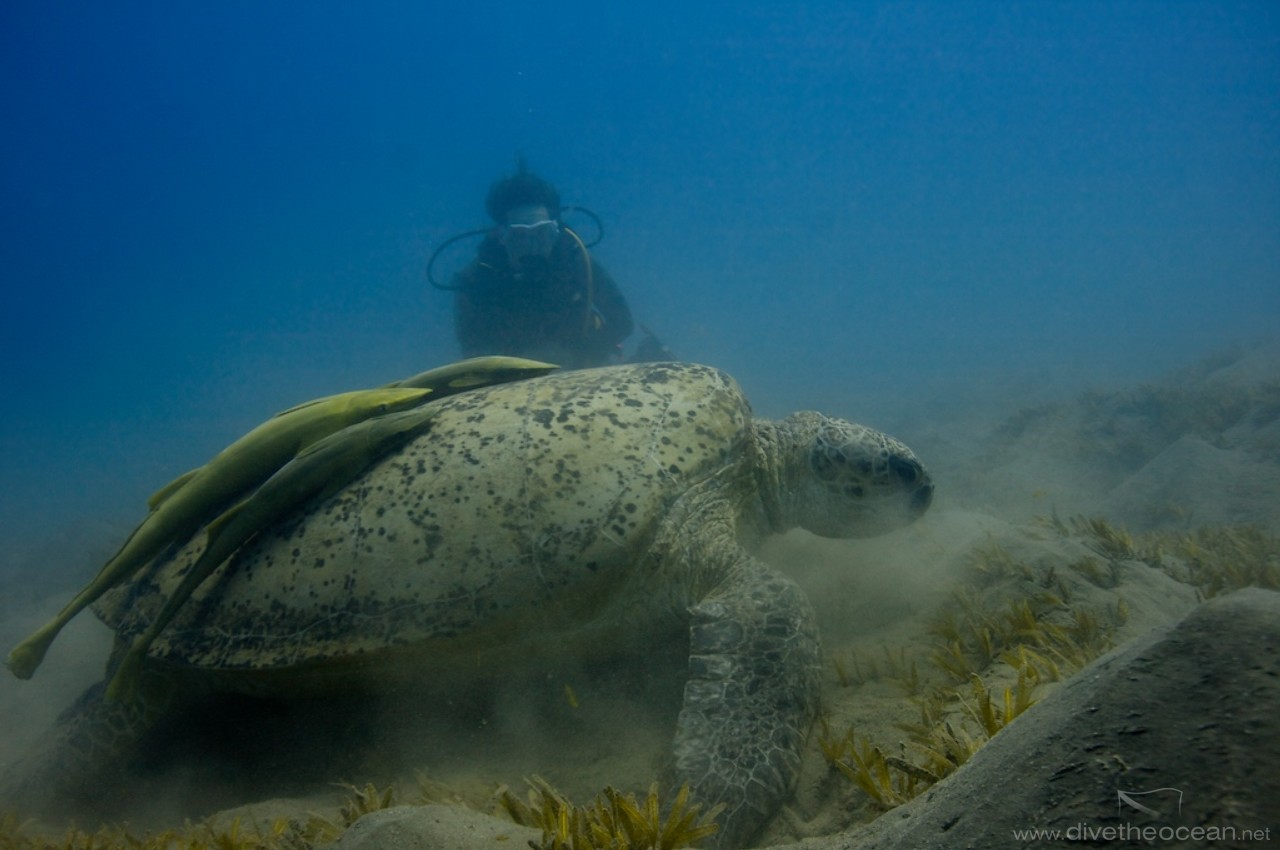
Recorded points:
524,241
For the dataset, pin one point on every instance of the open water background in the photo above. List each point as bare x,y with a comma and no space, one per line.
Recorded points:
889,211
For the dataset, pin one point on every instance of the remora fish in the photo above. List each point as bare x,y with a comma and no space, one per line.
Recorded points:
317,472
476,372
454,378
185,504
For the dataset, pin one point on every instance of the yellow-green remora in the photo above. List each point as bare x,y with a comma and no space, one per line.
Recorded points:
469,374
454,378
476,372
187,503
317,472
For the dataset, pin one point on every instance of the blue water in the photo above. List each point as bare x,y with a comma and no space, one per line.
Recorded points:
212,211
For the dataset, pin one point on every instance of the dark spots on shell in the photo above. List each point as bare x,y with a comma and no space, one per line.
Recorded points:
652,426
319,563
656,376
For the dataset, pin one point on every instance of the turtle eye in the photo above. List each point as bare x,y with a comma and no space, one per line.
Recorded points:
907,470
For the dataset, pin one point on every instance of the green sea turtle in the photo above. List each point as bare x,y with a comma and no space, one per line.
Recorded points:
579,508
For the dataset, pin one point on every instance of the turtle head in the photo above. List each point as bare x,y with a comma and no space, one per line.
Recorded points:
847,480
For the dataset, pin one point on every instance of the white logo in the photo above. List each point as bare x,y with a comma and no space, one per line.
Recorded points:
1126,798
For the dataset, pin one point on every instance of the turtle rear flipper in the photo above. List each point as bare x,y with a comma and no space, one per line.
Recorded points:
751,696
84,751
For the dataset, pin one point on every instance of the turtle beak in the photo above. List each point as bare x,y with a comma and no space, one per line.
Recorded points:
912,475
922,498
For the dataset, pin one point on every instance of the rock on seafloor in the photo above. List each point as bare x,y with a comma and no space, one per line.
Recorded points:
1187,713
434,827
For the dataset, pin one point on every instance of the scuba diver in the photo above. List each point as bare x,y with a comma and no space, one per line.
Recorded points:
532,289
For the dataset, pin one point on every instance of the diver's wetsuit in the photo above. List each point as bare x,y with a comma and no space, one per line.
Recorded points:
544,313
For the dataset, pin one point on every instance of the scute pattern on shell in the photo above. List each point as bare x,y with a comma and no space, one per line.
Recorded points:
527,505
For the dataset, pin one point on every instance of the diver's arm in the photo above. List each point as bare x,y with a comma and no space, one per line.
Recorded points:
471,327
611,306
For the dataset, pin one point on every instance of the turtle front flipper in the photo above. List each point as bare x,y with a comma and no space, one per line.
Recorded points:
750,699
